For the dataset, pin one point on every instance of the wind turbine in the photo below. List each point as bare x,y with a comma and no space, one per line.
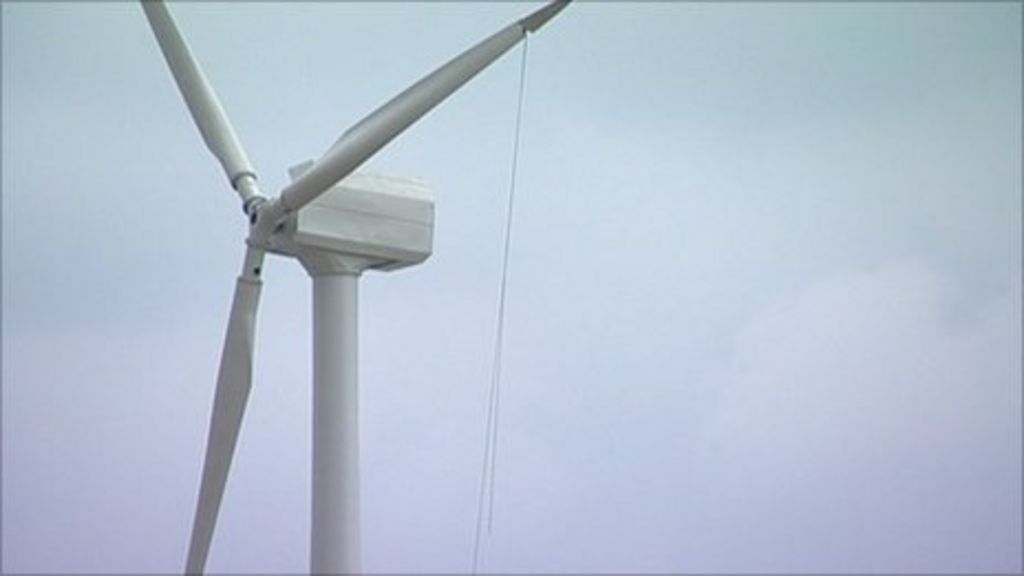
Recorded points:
337,224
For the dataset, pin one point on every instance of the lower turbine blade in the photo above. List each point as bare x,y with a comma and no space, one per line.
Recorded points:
233,383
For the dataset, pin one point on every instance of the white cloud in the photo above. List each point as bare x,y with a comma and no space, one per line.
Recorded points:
865,427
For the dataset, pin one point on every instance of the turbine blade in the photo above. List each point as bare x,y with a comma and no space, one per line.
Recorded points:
233,384
202,101
381,126
539,18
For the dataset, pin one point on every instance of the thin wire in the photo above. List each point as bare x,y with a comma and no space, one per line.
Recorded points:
500,330
487,475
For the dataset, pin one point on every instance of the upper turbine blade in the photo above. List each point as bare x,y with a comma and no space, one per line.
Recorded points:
381,126
233,384
539,18
202,101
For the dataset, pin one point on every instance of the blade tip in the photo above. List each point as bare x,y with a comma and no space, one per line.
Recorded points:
539,18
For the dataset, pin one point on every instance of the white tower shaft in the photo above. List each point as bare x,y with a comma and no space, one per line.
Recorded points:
335,531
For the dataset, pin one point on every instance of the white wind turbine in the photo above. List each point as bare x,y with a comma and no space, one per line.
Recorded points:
336,230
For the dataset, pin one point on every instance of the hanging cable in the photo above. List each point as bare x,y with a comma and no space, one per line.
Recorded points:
487,472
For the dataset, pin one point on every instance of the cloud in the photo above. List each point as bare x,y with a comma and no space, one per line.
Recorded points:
869,424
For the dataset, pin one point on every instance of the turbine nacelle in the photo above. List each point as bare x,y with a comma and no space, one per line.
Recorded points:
365,221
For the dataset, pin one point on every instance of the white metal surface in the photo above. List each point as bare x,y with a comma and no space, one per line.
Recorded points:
231,395
386,221
381,126
335,530
201,99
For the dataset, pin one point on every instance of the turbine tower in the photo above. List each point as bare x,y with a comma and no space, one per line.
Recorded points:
337,223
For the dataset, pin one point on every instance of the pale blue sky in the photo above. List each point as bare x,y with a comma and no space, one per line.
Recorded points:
764,298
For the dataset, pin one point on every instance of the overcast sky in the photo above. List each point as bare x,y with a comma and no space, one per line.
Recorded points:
764,300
